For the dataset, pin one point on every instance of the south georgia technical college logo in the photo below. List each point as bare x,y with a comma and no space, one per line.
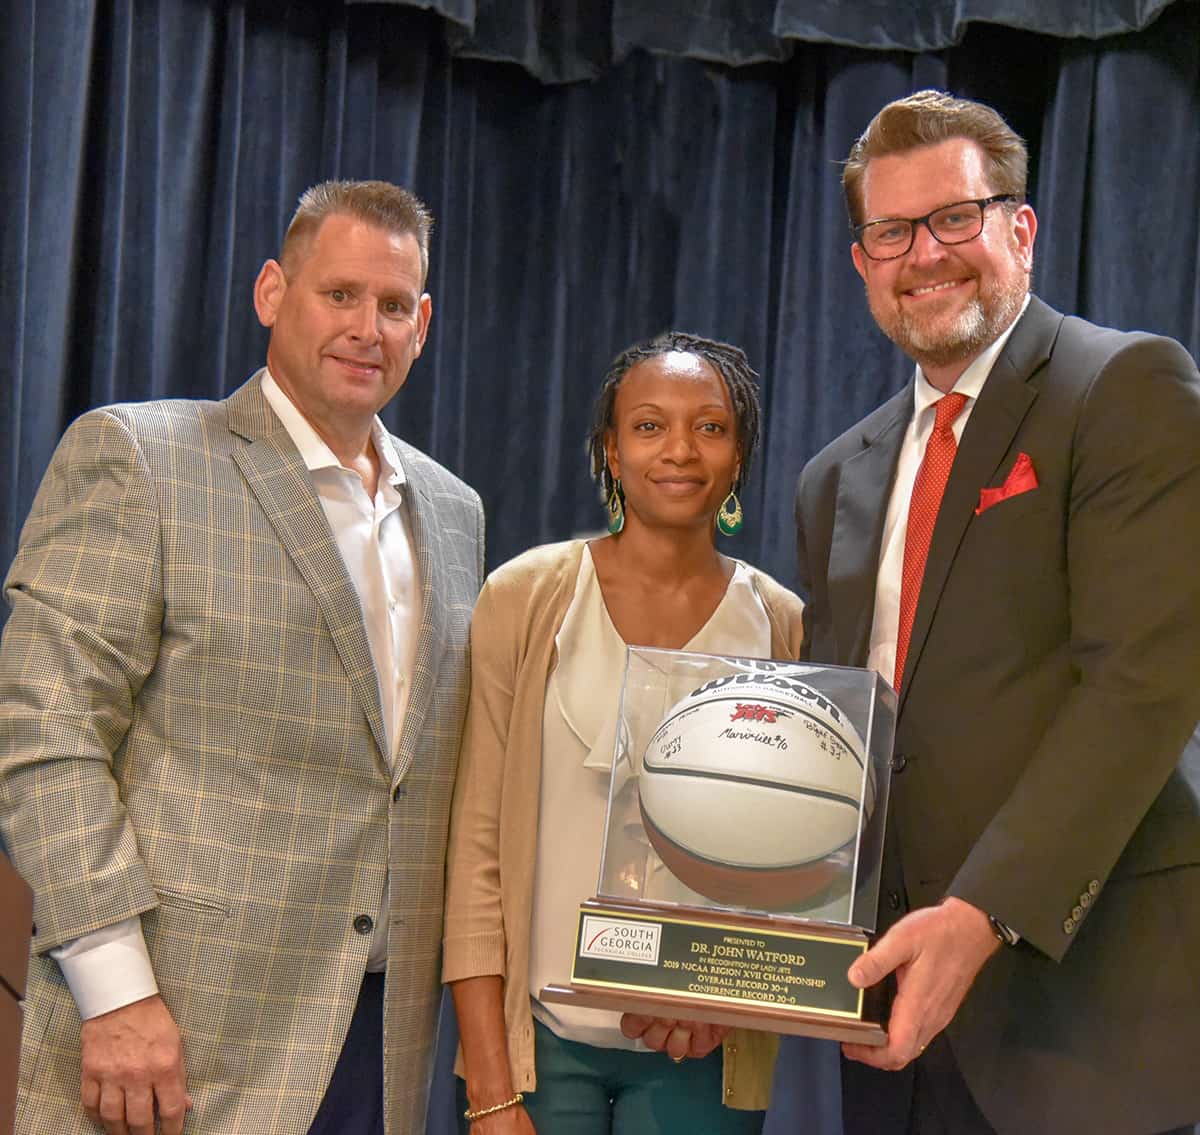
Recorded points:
620,940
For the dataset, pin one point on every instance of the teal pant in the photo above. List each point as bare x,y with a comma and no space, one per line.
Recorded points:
584,1090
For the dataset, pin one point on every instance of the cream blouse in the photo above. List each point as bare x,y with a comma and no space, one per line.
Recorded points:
578,735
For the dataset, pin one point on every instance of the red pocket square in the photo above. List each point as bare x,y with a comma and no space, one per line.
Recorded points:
1021,479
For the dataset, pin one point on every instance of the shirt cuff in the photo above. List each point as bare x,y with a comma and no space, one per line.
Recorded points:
107,969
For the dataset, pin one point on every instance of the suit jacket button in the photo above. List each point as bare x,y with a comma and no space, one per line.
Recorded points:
1068,926
893,899
1094,887
1085,900
899,763
1076,913
364,924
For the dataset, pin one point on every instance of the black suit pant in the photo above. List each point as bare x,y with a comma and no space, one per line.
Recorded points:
929,1097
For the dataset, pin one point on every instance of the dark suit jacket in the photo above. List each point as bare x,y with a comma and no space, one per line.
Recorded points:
1052,681
190,730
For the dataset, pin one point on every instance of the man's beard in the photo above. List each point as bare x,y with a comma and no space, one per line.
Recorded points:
980,323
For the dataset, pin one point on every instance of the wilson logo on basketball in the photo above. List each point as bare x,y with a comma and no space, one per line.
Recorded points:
749,711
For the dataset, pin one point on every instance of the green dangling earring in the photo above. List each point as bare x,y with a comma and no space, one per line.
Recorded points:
616,508
729,515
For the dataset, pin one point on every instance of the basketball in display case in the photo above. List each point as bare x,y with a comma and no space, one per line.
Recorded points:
740,870
748,785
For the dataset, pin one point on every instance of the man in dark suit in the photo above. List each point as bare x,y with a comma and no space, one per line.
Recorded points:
1014,540
231,695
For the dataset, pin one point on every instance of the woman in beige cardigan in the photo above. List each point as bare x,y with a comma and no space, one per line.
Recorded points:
674,431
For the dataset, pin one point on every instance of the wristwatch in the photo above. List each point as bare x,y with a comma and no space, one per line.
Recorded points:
1003,931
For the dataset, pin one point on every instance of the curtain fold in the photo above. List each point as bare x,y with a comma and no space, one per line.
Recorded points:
571,40
935,24
42,179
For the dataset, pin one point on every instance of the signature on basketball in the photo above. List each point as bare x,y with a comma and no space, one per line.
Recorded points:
751,711
774,740
671,749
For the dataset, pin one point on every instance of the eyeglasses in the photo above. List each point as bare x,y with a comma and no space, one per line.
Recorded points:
951,224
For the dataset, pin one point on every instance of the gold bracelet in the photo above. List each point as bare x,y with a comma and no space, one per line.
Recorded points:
471,1116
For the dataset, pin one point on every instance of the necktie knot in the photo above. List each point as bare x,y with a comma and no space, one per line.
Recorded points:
946,411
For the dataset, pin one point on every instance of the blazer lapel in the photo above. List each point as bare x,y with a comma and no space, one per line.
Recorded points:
279,480
1003,403
862,501
431,635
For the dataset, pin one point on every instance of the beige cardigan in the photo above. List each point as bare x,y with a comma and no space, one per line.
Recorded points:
494,821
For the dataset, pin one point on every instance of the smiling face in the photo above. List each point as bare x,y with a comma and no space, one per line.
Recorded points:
347,319
943,304
674,442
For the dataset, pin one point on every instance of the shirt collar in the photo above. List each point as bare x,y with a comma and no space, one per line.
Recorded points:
314,452
971,381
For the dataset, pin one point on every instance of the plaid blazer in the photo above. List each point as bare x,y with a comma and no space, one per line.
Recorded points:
190,730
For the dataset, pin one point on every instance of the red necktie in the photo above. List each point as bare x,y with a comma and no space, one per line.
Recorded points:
922,516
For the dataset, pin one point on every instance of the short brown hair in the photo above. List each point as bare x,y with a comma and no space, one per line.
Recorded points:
378,203
925,119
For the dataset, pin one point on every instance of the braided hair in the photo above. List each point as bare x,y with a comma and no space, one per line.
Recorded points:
728,361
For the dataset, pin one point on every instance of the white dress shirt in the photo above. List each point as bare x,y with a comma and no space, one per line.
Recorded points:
885,625
111,967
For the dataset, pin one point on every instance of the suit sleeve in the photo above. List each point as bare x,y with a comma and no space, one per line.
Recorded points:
86,598
803,571
474,940
810,569
1133,545
480,539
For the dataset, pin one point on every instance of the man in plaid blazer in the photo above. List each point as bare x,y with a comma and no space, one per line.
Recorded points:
231,689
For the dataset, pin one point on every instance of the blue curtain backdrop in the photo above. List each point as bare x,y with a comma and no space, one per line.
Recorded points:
600,170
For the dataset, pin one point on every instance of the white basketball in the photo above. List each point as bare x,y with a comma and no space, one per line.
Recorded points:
749,784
